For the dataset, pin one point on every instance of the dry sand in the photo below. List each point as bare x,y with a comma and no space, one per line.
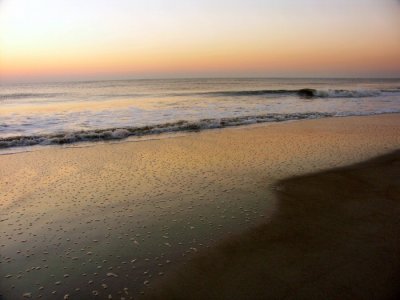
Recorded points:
72,219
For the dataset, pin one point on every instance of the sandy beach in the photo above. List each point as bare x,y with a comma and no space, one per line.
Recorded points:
124,219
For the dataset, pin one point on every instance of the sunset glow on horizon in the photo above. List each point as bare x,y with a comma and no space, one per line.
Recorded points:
50,40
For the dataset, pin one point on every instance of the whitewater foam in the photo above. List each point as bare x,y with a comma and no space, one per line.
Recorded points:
347,93
179,126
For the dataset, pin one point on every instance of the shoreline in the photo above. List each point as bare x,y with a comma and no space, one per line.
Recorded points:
71,219
334,236
64,141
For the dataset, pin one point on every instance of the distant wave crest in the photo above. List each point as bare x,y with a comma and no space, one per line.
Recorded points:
27,95
305,93
302,93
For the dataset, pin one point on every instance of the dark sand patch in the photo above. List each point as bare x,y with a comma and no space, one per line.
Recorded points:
336,236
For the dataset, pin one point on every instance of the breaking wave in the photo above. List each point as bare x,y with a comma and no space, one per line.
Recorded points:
346,93
306,93
302,93
179,126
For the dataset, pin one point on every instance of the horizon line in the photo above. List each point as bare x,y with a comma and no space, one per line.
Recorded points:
155,78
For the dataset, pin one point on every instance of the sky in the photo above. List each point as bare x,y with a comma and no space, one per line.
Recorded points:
92,39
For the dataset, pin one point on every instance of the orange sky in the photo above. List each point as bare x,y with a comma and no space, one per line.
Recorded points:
58,39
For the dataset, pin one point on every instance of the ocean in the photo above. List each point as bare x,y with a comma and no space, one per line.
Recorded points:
71,112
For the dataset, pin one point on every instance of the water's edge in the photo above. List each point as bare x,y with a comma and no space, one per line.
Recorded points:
20,144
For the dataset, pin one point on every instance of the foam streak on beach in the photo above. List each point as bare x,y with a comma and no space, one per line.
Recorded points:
112,219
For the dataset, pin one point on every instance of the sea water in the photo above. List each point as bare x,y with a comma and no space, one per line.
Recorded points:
70,112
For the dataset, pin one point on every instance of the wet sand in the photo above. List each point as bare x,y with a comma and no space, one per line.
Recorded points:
111,219
335,236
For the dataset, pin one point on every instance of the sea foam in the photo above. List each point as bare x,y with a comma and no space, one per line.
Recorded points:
179,126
